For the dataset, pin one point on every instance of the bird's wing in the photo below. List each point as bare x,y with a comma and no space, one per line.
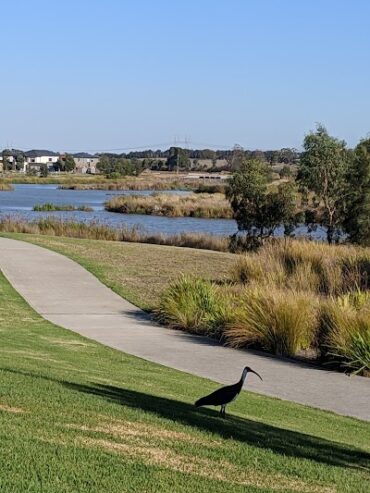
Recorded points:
220,396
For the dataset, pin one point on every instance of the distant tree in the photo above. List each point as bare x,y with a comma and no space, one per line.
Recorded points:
258,209
44,171
236,158
322,170
285,171
357,220
65,163
178,159
287,155
69,163
114,166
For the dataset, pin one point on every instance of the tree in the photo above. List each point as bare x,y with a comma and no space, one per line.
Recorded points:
69,163
44,170
357,221
178,159
65,163
113,166
258,209
236,158
322,170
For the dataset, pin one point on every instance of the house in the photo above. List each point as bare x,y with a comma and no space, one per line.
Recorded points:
85,163
41,157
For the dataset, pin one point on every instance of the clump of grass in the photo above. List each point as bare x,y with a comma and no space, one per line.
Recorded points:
346,325
193,304
194,205
211,188
280,322
96,231
49,206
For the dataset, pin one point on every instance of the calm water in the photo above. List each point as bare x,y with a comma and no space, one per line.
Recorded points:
21,201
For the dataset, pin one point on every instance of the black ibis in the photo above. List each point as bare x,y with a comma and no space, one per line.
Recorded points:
224,395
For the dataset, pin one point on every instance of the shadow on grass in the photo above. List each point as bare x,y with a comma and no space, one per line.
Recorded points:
278,440
261,435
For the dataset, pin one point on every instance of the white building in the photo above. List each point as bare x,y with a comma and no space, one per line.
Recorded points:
41,157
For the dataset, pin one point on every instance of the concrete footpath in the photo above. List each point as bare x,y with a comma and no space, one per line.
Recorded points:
66,294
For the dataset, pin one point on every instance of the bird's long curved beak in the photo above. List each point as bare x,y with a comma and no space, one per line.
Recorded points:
259,376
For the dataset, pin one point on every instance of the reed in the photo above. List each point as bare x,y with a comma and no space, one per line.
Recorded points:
48,206
5,187
194,205
96,231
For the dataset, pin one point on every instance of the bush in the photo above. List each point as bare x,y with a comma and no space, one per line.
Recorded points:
195,305
280,322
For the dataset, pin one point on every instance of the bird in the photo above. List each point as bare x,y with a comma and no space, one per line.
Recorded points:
225,395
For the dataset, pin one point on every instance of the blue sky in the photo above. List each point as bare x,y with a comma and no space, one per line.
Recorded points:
94,75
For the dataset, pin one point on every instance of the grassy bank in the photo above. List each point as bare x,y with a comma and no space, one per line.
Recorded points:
156,184
48,206
5,187
97,231
195,205
147,181
77,416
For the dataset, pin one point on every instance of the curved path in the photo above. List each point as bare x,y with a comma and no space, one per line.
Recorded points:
66,294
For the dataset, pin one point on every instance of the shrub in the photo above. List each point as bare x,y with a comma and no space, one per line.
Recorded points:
281,322
193,304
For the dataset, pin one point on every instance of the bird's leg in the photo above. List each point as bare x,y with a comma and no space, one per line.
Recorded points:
222,411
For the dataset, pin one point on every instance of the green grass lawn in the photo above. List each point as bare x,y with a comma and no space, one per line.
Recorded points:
76,416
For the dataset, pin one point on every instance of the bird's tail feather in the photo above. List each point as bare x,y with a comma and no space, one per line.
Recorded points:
201,402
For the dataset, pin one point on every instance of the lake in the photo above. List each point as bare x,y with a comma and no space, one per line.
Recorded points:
20,202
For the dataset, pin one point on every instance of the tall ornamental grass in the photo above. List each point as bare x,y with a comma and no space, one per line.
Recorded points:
345,322
307,266
195,305
277,321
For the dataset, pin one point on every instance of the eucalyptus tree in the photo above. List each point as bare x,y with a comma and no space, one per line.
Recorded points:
323,170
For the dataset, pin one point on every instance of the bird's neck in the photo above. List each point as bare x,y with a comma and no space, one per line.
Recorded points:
244,376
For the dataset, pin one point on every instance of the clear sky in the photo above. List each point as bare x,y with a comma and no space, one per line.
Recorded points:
95,75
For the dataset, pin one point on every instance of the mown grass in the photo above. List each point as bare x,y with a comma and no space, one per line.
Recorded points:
77,416
99,231
49,206
137,272
195,205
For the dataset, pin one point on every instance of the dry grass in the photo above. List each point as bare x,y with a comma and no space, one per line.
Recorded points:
195,205
96,231
11,409
5,187
304,265
220,470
